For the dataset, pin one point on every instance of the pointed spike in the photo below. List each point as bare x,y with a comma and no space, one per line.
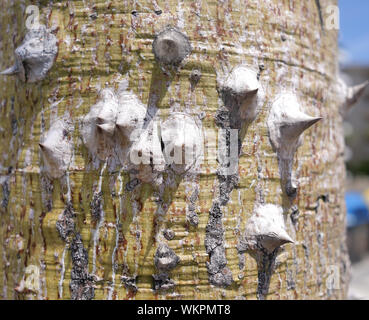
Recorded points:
250,93
46,149
286,123
242,81
355,93
10,71
103,117
294,127
285,238
306,124
267,226
43,146
106,128
277,240
253,92
119,125
101,126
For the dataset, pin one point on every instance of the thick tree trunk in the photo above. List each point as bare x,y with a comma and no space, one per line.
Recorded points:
126,229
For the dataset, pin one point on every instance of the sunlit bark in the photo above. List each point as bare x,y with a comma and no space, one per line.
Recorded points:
120,224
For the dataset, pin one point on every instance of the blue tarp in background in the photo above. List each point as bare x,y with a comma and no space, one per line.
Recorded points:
357,209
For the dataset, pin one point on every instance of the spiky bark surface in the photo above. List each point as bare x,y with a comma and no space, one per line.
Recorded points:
115,226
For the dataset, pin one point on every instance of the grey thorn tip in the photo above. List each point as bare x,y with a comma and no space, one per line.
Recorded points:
171,46
120,125
295,127
42,146
355,93
46,150
10,71
271,243
267,228
106,127
253,92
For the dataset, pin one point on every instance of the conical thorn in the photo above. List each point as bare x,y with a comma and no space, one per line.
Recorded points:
355,93
42,146
294,127
285,238
120,125
253,92
270,243
108,128
10,71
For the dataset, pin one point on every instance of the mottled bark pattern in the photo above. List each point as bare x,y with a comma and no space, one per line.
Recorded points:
102,42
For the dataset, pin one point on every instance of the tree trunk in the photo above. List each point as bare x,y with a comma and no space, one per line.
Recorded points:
89,228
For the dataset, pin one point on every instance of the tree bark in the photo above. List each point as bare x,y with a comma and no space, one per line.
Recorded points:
120,230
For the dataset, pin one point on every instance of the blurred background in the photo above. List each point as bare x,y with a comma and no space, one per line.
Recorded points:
354,60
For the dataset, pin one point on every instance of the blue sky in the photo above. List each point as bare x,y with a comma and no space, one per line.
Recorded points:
354,31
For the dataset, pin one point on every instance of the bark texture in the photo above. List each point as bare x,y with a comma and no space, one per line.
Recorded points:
96,233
